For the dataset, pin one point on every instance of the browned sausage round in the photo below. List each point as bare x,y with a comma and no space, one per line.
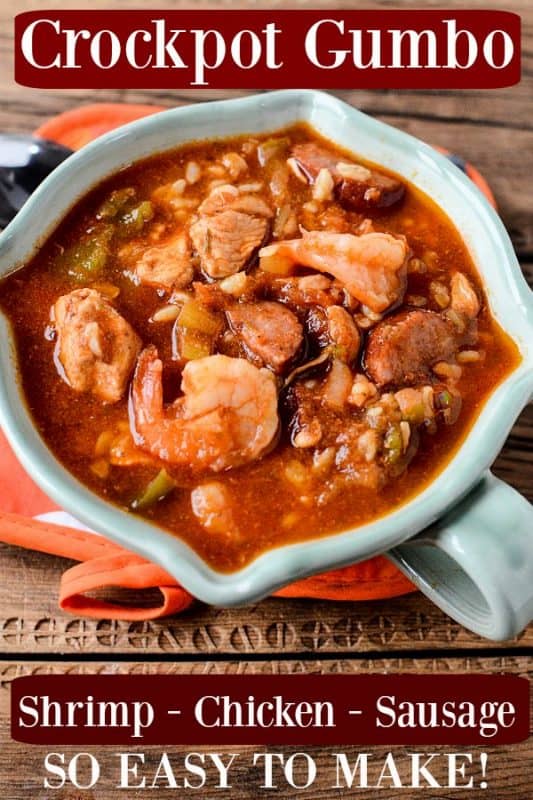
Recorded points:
269,330
403,348
371,191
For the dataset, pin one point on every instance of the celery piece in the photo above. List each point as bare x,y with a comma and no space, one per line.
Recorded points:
134,219
393,444
271,148
189,344
86,260
444,399
193,349
276,264
415,414
197,317
115,203
157,489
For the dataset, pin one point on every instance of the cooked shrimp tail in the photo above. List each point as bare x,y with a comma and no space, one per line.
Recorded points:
372,267
227,415
147,387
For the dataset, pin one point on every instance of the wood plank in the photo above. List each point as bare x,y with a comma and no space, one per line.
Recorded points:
31,623
507,775
515,462
519,665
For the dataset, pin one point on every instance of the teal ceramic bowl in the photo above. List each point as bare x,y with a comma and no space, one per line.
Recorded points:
474,557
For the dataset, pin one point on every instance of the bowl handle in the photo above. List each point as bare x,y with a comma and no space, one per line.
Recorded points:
476,563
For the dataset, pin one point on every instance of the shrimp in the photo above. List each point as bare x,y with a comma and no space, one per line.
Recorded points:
227,416
212,506
372,267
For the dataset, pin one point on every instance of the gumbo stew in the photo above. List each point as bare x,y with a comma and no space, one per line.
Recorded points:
255,341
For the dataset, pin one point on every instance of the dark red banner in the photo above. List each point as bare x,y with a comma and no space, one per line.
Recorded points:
252,709
243,49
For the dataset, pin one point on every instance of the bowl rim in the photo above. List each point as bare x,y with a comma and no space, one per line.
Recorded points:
285,563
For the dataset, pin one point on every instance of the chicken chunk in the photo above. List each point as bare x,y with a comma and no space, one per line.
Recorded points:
464,299
227,241
96,347
269,330
167,265
229,231
356,187
228,198
403,348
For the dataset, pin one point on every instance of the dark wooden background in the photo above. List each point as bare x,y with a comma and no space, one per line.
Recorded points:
494,130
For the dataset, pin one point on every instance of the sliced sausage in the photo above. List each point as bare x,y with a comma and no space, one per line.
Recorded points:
269,330
356,187
403,348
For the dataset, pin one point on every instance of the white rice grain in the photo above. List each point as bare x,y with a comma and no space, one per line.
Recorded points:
193,172
323,188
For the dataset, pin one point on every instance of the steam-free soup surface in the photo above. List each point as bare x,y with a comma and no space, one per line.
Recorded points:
255,341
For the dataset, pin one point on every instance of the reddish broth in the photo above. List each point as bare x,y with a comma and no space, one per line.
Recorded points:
268,508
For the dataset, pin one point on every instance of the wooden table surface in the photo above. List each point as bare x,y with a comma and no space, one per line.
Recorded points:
494,130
